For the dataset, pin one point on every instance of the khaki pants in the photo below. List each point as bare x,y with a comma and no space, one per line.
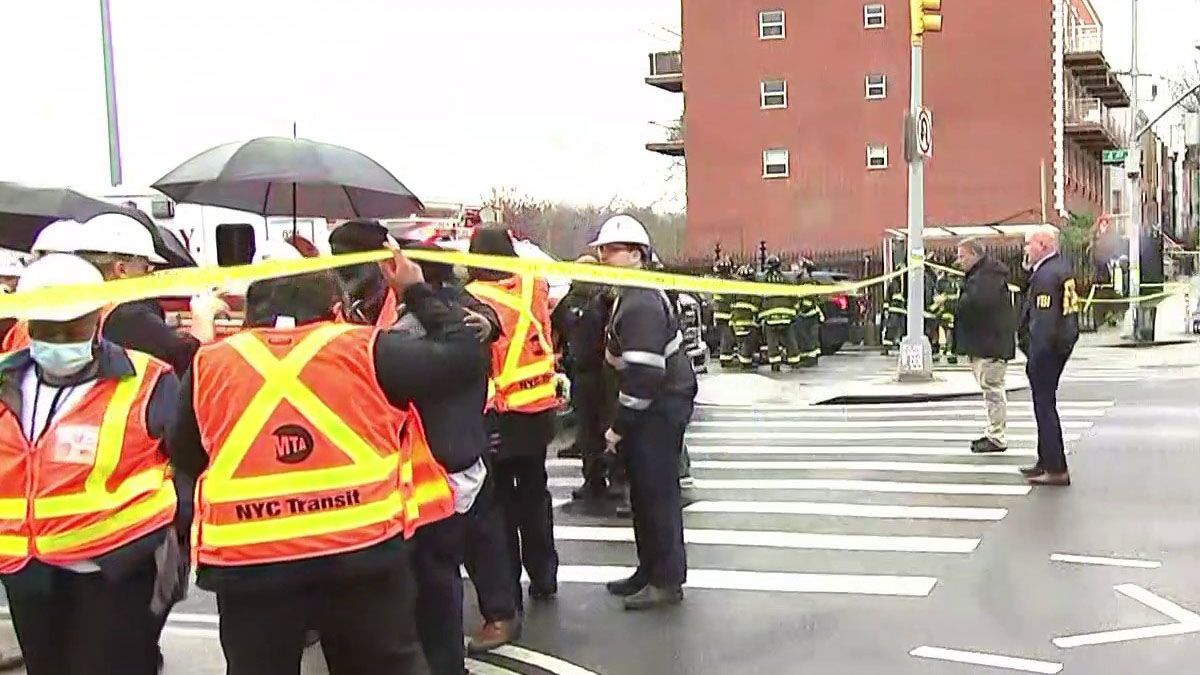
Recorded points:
989,373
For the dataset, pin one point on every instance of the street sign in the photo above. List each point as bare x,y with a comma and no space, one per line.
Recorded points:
1115,157
924,132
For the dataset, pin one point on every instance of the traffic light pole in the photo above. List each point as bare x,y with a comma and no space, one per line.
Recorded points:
916,354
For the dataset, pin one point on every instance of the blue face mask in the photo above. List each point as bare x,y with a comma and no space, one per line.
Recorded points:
61,359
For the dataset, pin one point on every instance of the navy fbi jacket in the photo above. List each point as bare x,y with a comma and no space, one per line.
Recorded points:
1050,315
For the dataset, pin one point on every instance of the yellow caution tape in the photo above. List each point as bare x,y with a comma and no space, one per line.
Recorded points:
957,272
193,280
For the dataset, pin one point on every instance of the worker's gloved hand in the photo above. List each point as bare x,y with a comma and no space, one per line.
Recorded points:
478,324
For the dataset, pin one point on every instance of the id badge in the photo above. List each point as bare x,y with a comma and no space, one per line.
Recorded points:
75,444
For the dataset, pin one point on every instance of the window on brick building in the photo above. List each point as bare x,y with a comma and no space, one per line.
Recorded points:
770,24
873,16
775,163
877,156
876,86
773,94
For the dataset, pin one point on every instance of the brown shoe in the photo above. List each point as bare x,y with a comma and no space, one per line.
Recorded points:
494,634
1031,471
1045,478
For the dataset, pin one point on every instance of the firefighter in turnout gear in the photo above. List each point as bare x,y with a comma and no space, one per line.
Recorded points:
895,323
933,314
776,316
743,320
722,313
808,320
945,300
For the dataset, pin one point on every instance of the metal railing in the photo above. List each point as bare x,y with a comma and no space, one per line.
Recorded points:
1093,111
665,64
1085,38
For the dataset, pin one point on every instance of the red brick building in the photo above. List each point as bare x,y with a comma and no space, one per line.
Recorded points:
794,115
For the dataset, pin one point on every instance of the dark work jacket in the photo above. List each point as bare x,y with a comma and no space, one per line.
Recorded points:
407,370
984,320
580,319
112,362
1050,315
141,326
655,375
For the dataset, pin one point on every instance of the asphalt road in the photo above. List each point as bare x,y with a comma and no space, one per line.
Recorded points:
839,539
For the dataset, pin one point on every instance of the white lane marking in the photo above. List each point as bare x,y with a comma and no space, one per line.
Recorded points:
1110,562
1062,405
1158,603
837,484
546,662
993,660
912,467
930,450
856,436
872,424
781,582
1186,622
849,510
776,539
1125,635
476,667
821,413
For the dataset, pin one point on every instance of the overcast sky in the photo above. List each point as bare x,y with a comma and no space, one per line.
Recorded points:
454,96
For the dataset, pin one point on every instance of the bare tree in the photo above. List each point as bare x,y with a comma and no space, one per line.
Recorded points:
1188,77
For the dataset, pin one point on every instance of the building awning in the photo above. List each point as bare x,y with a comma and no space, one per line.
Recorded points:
965,231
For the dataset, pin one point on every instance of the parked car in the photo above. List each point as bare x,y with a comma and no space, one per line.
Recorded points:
694,327
845,313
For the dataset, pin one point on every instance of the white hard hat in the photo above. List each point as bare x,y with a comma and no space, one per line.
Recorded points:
622,230
61,236
275,250
117,233
60,269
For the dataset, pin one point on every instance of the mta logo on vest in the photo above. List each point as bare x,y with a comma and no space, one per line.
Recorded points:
293,444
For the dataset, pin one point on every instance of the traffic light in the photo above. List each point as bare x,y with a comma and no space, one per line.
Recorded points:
925,17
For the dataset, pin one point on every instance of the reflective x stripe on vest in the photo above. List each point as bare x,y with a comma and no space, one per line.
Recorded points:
97,514
520,387
281,383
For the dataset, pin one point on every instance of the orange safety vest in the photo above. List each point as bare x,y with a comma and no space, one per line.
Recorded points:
307,456
523,357
94,482
17,337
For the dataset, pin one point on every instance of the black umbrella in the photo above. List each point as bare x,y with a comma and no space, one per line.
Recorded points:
25,210
277,176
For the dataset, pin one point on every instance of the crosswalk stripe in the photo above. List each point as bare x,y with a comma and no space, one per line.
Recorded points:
858,436
872,424
928,450
849,510
850,465
477,667
840,484
777,582
977,411
778,539
548,663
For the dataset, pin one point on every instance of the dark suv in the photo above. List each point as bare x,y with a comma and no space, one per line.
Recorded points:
844,313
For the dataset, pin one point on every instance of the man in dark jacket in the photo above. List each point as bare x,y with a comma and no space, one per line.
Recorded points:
984,332
657,389
1047,334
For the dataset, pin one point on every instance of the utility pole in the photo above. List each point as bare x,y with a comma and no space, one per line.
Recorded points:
916,354
110,95
1133,172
